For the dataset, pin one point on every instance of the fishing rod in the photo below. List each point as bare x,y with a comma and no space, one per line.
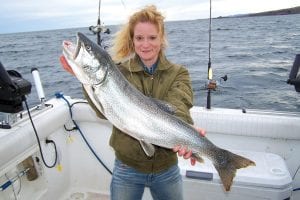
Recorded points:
98,28
99,25
211,84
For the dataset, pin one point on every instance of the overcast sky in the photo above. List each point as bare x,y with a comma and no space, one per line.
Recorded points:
32,15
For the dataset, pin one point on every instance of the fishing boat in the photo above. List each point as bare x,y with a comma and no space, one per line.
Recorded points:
59,148
76,160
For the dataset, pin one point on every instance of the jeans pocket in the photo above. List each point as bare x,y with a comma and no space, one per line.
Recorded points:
119,165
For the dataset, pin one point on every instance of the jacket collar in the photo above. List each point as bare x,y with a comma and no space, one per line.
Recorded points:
134,64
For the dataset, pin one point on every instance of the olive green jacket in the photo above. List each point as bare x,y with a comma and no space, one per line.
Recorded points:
170,83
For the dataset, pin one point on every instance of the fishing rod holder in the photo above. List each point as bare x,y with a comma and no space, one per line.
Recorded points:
39,87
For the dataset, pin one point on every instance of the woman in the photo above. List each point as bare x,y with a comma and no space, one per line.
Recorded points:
139,47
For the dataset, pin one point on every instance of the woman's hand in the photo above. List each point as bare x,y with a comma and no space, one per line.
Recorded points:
185,152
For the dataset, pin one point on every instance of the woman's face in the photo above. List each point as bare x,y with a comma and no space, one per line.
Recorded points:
147,42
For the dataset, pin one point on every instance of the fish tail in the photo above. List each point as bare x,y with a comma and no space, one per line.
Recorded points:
226,163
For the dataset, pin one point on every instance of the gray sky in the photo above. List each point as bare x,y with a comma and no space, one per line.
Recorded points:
32,15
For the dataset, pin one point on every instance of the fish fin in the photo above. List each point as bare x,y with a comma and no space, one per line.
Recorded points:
226,163
148,148
94,103
165,106
198,157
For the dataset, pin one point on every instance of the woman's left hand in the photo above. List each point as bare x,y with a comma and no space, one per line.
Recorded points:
185,152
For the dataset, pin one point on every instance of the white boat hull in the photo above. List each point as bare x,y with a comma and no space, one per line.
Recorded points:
267,137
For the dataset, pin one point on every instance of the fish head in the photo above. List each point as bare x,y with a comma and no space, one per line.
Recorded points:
86,60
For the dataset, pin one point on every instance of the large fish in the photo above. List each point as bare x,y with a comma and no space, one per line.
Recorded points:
130,111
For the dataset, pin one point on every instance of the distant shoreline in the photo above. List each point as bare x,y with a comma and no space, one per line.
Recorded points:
287,11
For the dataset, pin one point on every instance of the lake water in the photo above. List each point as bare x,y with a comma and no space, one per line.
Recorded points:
256,53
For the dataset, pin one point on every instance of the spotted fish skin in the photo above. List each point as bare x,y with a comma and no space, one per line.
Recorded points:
131,111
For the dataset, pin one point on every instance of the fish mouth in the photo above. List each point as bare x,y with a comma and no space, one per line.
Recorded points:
70,52
66,65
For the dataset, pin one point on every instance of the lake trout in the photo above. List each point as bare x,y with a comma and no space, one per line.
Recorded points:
130,111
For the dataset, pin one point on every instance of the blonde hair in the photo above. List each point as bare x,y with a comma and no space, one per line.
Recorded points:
123,47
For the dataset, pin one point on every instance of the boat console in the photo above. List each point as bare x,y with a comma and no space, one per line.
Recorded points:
13,89
269,138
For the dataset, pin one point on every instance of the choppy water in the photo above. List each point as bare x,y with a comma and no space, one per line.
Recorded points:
255,53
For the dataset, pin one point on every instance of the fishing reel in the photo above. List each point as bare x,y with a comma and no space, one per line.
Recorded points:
99,29
213,84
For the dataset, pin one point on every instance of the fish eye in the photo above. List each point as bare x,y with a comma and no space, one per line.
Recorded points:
88,48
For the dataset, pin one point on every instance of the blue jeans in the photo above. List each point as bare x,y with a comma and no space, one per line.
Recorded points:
129,184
